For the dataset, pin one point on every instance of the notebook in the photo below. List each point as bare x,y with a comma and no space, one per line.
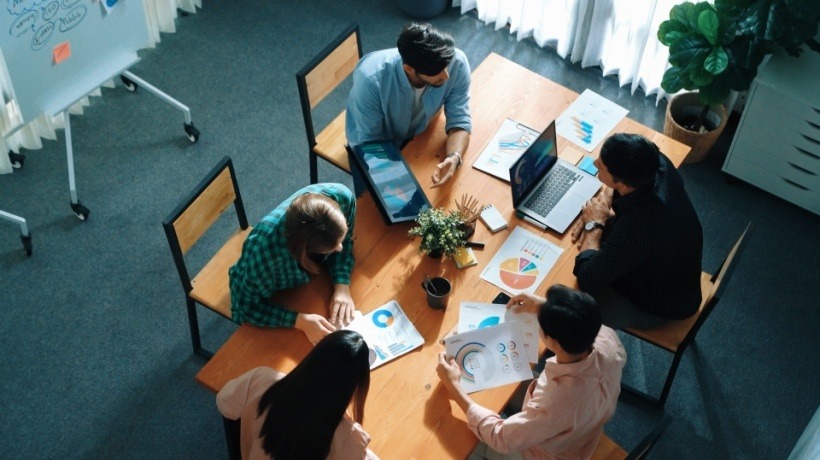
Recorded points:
546,190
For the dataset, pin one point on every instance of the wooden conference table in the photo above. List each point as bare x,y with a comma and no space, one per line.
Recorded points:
408,413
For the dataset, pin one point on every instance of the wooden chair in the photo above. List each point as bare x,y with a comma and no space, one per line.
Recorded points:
315,81
676,336
184,227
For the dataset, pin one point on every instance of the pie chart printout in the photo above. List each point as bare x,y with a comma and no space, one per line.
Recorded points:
518,273
522,263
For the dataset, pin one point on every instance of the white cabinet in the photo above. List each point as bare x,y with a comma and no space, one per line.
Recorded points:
777,143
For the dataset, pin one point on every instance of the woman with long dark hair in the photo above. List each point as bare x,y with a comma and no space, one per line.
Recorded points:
313,227
298,416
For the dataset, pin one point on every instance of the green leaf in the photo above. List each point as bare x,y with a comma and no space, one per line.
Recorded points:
709,26
717,61
694,14
672,82
715,92
700,76
678,12
670,31
688,49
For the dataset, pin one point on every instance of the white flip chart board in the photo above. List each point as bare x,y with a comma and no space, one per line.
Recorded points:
58,51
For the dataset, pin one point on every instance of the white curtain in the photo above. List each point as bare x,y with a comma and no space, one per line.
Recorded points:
160,15
620,36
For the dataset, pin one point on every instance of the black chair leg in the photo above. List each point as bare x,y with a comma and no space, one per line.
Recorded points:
193,324
670,378
314,168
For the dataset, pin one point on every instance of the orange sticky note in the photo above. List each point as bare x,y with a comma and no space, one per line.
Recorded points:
61,52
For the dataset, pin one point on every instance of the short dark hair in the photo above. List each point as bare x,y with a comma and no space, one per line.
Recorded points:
306,406
571,318
631,159
425,48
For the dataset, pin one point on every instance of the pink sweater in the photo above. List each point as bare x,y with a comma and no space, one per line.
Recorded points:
564,409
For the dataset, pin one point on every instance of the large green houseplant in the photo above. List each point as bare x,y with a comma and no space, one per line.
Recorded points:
716,48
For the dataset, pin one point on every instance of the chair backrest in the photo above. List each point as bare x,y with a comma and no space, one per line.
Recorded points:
720,280
326,71
203,206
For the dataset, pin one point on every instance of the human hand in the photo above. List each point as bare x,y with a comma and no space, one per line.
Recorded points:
525,303
599,208
315,327
577,231
444,171
341,306
448,371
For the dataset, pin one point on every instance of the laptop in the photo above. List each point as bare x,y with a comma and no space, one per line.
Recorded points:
546,190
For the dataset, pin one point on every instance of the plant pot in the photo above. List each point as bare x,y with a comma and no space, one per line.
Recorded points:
436,253
683,109
468,229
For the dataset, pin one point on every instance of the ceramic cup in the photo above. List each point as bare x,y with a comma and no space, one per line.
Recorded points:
438,292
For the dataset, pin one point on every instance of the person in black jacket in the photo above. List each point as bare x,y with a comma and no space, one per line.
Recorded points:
640,239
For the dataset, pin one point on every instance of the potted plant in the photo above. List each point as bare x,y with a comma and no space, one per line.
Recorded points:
718,48
441,232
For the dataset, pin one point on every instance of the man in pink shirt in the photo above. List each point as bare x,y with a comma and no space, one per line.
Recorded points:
566,407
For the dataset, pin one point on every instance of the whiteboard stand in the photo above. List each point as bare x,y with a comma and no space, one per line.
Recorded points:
25,236
131,83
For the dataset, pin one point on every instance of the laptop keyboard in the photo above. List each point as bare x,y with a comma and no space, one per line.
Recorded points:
552,190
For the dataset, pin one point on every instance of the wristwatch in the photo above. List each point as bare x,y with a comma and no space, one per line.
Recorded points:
592,225
457,155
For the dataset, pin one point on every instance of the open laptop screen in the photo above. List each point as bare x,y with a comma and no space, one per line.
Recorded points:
527,172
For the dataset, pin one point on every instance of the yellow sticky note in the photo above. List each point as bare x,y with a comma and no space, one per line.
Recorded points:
465,257
61,52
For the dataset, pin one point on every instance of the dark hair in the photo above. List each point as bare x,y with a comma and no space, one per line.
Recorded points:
313,223
307,405
631,159
571,318
425,49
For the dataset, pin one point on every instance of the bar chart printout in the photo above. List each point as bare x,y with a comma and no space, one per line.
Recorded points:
589,120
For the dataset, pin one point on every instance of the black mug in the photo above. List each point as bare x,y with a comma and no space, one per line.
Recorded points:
438,292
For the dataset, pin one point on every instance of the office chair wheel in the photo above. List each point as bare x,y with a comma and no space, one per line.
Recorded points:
26,240
129,84
191,132
80,211
17,160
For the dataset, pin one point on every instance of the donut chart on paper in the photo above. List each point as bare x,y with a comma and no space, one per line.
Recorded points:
475,359
383,318
489,322
518,272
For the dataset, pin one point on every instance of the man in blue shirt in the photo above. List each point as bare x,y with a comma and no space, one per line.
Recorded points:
396,92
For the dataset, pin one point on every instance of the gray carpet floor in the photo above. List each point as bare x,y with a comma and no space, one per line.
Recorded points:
96,358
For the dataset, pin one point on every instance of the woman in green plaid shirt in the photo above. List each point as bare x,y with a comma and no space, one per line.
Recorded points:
315,224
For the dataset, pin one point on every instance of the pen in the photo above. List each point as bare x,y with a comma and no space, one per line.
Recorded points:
475,244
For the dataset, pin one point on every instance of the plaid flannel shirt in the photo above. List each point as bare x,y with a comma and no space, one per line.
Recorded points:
266,265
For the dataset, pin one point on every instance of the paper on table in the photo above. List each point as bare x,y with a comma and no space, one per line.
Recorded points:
475,315
522,262
589,120
508,144
489,357
388,333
